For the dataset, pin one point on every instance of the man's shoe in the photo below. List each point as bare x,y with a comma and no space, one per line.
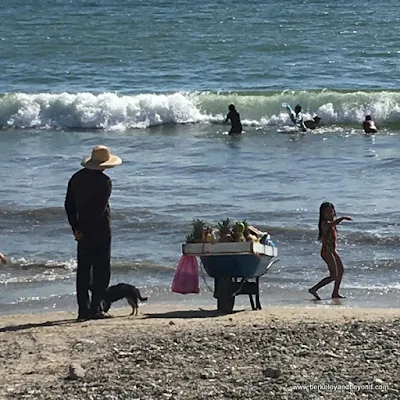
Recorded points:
99,315
83,317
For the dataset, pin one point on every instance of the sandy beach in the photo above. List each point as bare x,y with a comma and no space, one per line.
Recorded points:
181,353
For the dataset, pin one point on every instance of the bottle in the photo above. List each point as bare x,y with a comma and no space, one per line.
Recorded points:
214,234
265,239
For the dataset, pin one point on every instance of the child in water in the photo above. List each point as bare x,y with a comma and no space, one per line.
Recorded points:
234,117
328,235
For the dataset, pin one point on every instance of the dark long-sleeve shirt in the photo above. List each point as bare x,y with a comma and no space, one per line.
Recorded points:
86,203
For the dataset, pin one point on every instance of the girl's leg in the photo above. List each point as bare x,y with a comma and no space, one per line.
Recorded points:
333,271
338,280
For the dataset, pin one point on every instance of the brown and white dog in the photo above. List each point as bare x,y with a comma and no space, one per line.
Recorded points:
121,291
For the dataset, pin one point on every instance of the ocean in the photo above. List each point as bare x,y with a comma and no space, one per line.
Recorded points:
153,80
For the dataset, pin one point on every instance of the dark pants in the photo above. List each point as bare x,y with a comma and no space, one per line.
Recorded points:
94,253
236,129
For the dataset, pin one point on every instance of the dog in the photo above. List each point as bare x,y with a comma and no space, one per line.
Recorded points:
120,291
312,123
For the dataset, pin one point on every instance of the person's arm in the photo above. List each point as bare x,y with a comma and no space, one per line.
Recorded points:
227,118
3,258
329,224
70,208
365,126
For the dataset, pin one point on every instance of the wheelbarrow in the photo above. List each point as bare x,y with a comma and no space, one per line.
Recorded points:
236,268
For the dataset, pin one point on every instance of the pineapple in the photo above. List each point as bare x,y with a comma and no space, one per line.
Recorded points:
208,235
238,232
225,232
246,228
189,238
198,230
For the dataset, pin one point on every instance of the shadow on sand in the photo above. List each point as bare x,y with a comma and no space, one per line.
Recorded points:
186,314
16,328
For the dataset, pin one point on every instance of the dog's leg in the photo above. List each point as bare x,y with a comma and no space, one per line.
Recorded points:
133,304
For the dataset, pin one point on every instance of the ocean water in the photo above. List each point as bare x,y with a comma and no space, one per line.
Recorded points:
152,80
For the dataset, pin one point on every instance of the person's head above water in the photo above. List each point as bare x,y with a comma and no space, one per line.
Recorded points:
368,118
297,109
231,107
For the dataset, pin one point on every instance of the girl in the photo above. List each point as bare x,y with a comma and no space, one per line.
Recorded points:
328,236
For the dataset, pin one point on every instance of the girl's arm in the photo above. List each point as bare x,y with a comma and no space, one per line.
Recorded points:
337,221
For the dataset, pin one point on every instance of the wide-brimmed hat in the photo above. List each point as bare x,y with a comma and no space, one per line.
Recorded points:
101,158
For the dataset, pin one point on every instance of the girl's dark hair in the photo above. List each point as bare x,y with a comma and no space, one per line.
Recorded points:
322,209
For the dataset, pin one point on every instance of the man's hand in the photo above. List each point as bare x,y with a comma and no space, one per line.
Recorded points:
78,235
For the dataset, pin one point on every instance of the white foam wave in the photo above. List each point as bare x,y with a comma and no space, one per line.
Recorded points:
88,111
110,111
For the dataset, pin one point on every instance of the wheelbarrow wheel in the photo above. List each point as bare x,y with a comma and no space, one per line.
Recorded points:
223,293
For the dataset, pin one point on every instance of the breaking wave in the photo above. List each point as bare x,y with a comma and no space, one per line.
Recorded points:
114,112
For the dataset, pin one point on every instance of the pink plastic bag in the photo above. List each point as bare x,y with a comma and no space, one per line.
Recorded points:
186,279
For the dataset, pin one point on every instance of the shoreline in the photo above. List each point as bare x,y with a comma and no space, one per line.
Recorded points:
321,310
183,352
161,296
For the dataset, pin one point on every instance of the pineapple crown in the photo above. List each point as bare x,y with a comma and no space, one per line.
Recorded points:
225,226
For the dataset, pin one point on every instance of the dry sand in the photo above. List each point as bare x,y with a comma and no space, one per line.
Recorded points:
171,353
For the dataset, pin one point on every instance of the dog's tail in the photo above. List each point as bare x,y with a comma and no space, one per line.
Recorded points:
140,296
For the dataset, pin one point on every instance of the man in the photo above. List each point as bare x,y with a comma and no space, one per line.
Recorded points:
88,212
369,125
234,117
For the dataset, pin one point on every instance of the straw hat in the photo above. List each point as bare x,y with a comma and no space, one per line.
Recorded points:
101,158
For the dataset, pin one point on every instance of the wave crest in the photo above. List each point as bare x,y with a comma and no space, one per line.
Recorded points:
110,111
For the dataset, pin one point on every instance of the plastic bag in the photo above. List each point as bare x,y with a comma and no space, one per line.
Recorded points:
186,279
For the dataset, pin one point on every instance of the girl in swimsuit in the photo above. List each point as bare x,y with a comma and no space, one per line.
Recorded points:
328,236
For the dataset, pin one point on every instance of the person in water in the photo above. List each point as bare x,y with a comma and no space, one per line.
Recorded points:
3,259
328,235
296,117
369,125
313,123
234,117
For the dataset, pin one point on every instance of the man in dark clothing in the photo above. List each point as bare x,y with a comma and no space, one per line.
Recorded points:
88,212
234,117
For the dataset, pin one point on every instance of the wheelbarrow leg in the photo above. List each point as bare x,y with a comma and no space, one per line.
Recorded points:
223,293
258,304
252,302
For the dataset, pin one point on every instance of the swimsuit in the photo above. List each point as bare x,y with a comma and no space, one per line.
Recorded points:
329,240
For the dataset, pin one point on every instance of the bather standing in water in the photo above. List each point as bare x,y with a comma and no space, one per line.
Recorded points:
369,125
234,117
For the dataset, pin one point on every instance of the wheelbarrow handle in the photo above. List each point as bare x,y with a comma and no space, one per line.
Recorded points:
272,263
